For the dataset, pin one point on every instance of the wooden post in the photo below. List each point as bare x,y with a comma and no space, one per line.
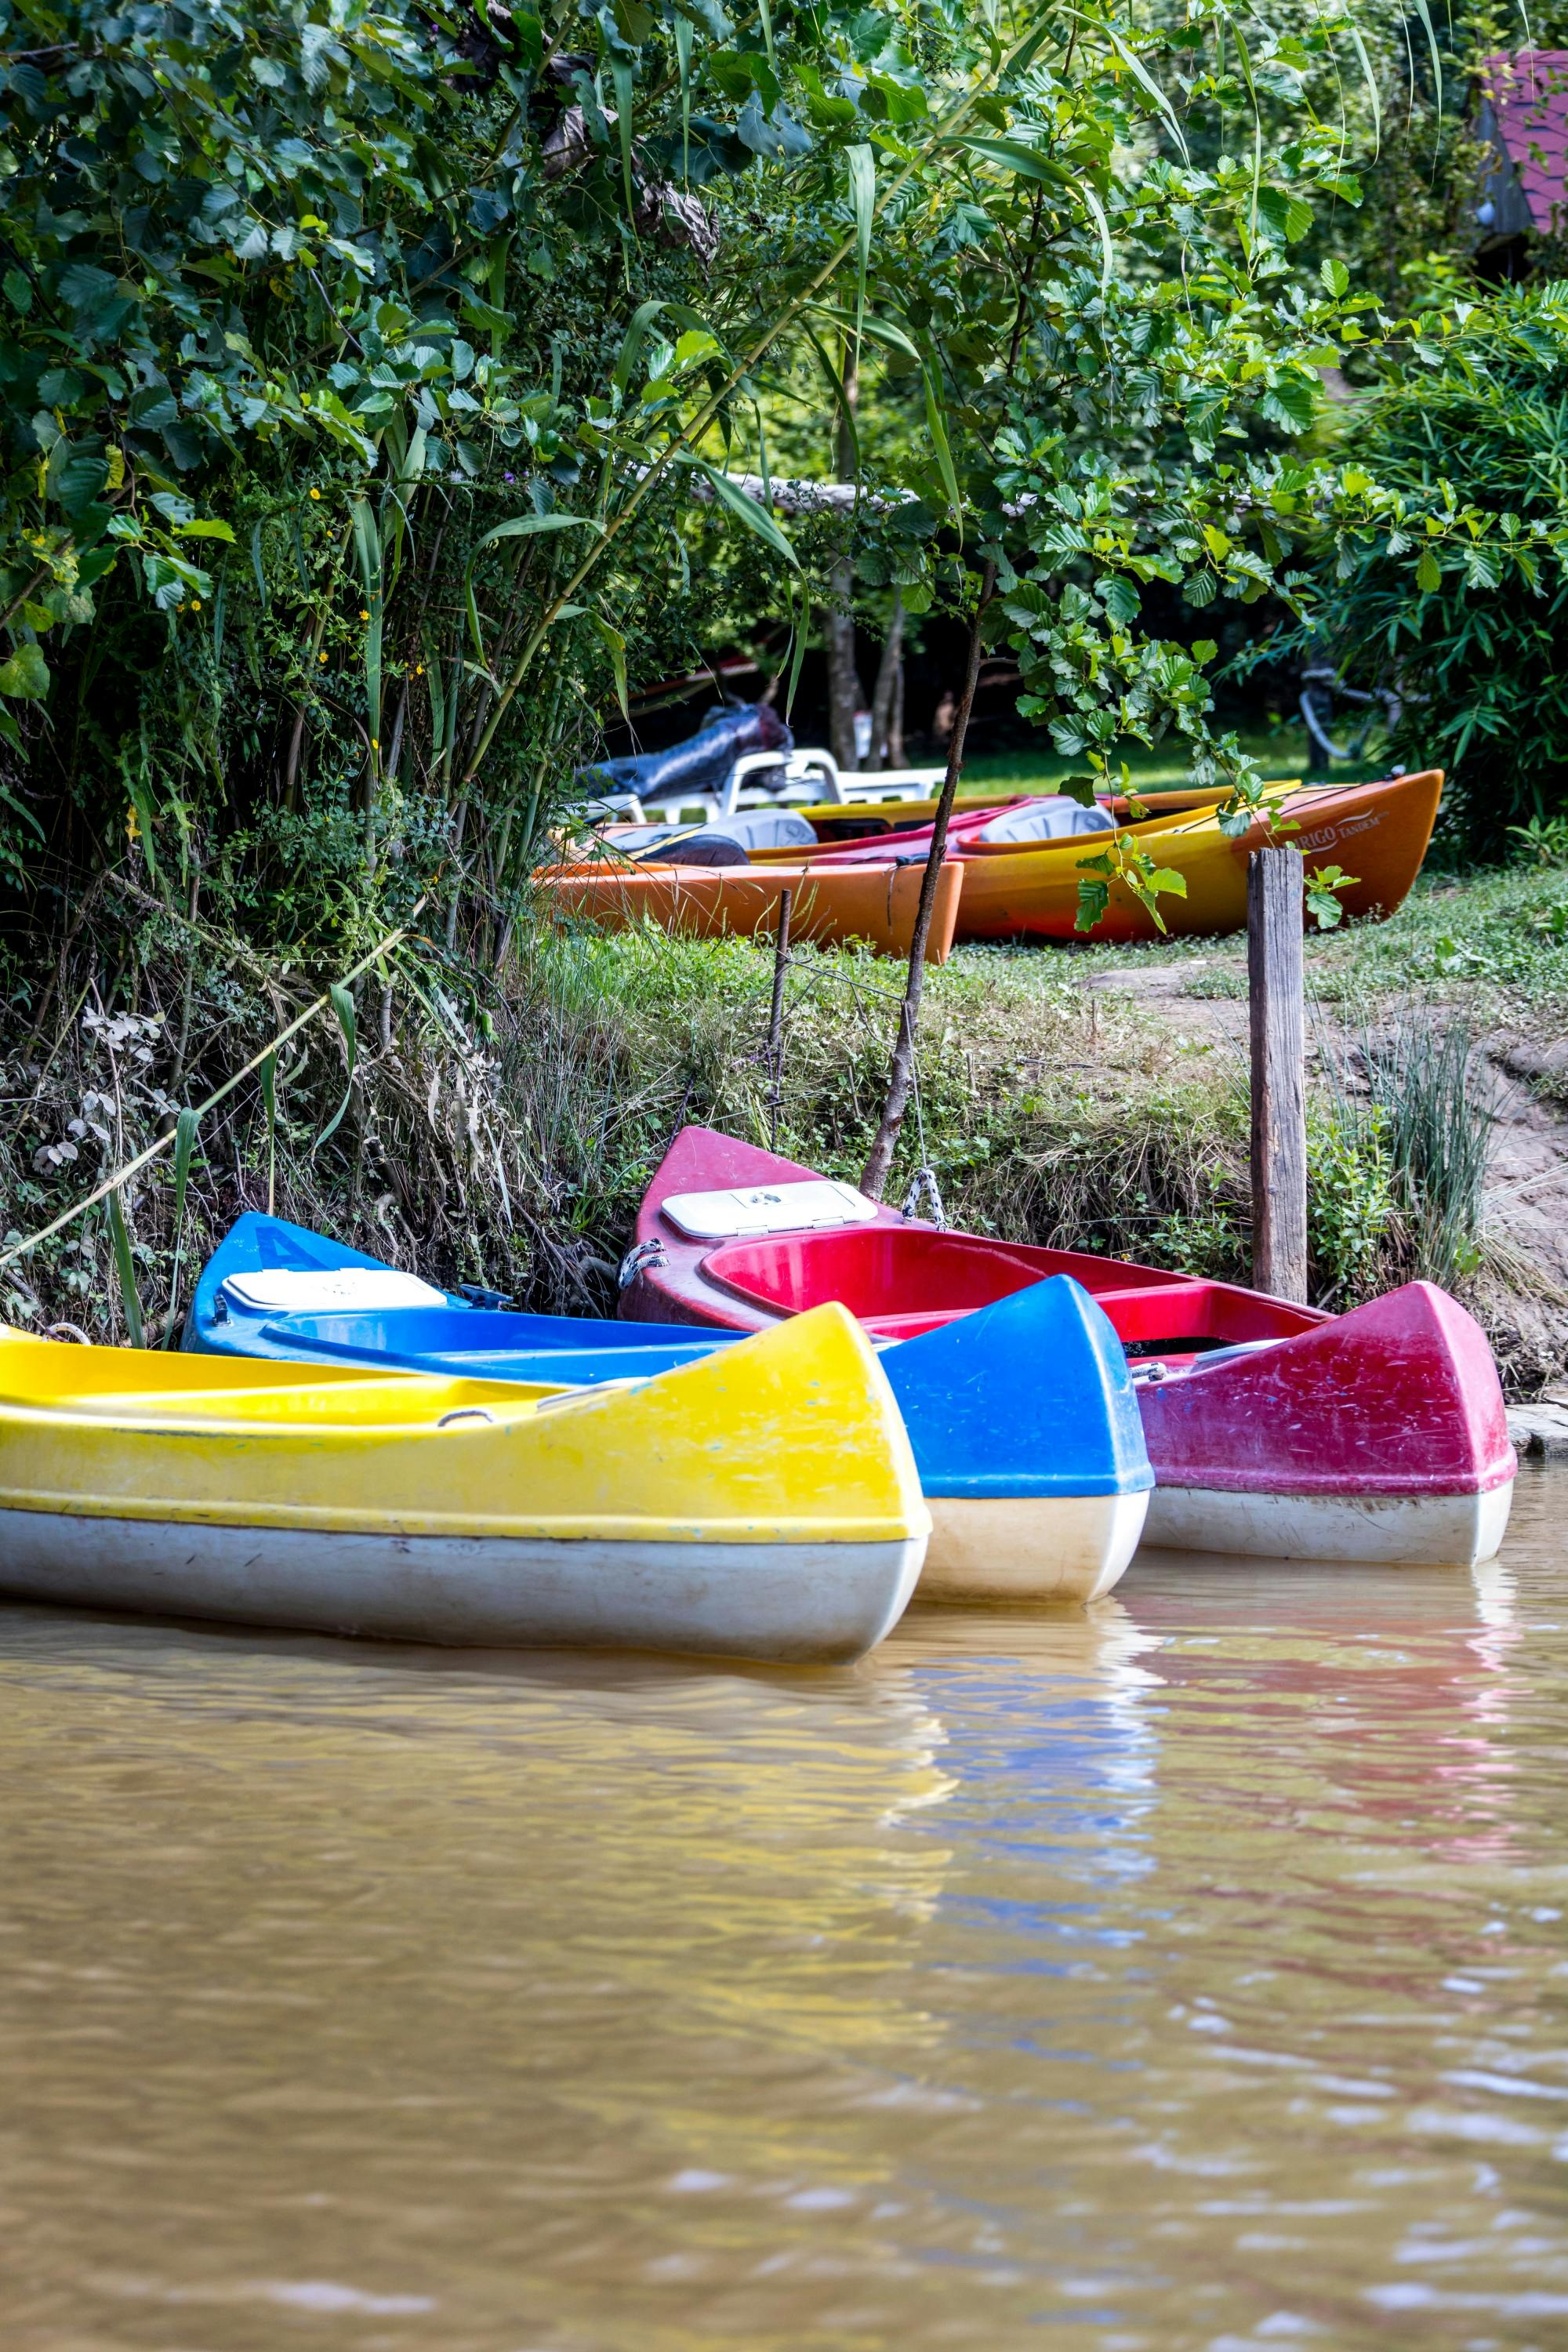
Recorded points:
775,1023
1275,886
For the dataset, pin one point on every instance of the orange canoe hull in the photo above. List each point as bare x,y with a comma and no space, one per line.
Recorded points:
875,903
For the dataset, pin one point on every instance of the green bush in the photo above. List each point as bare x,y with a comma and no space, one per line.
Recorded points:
1350,1200
1468,624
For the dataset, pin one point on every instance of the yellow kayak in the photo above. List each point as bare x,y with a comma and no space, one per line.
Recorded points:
760,1502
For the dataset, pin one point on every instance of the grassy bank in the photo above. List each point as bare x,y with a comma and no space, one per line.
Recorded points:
503,1127
1495,942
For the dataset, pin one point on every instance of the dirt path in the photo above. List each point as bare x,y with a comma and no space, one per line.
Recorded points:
1521,1293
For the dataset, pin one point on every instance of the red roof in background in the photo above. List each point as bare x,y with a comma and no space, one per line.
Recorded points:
1529,92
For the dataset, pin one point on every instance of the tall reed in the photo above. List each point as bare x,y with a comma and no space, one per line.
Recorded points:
1437,1126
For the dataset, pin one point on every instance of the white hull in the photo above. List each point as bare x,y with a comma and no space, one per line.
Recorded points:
821,1603
1030,1547
1385,1530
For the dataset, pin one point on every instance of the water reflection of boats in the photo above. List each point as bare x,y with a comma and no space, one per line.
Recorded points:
1394,1708
1041,1710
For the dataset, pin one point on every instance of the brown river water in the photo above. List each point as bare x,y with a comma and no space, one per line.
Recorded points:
1190,1973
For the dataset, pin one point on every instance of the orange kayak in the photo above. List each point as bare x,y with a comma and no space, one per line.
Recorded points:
1378,832
875,903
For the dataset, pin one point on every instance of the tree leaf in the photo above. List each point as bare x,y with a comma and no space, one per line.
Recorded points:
1017,156
1323,904
682,29
862,163
1094,206
1093,898
367,548
621,75
343,1006
799,621
1424,13
1358,42
708,14
1292,401
525,526
269,1074
185,1127
741,502
120,1236
937,425
1120,597
12,735
841,400
1142,75
25,675
617,646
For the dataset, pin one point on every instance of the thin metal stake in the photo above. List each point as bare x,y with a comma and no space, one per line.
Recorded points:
775,1021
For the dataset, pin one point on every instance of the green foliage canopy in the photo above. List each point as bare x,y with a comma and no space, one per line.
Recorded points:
1452,587
359,363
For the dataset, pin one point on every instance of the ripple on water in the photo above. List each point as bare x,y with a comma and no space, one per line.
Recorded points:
1192,1973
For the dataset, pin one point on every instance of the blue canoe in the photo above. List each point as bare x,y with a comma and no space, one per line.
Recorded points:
1021,1416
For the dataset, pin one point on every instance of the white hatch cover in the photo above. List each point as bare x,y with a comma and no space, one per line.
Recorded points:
334,1291
812,1205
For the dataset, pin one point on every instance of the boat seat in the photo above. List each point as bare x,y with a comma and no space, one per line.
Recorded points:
353,1289
1055,817
725,841
709,846
775,828
817,1205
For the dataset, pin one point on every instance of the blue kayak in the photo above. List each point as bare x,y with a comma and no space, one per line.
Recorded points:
1021,1416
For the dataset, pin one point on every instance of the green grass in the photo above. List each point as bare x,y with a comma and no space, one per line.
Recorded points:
1282,752
1496,941
508,1137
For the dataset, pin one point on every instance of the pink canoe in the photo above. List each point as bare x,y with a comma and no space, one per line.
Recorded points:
1274,1430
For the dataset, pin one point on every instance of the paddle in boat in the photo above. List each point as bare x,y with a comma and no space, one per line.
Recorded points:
760,1502
1021,1417
1274,1430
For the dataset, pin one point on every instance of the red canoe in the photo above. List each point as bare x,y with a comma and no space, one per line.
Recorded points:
1274,1430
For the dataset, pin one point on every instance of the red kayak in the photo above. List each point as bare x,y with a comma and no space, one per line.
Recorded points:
1274,1430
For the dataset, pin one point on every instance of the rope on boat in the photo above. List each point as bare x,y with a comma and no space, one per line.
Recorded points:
924,1186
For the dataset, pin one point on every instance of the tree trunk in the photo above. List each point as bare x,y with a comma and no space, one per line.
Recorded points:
896,756
882,698
900,1077
844,694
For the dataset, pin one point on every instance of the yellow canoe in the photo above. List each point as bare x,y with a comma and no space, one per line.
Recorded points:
841,822
1376,832
760,1503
